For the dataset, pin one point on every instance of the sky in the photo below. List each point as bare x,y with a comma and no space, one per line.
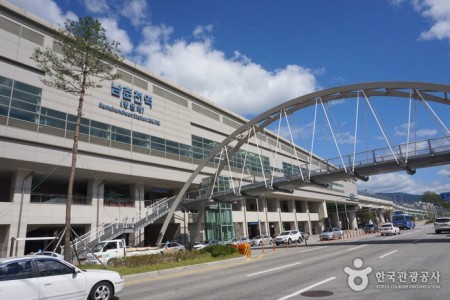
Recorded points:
249,56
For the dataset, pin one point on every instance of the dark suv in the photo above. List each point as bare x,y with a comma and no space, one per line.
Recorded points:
371,228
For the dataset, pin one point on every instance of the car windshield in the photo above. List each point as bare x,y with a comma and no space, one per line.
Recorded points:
98,247
327,230
257,237
386,225
285,233
370,225
443,220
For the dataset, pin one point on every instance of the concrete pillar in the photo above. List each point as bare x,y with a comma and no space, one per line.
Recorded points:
20,197
353,223
308,229
380,219
137,194
95,190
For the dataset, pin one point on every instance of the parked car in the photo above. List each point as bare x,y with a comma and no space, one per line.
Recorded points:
241,240
288,237
389,228
371,228
441,224
331,234
46,277
261,240
305,235
171,248
204,244
50,253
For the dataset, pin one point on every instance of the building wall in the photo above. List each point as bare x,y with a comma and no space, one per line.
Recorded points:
36,144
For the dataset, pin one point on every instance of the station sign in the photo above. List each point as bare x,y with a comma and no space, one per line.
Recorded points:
133,103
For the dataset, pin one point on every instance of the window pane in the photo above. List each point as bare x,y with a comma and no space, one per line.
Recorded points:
172,150
83,129
23,105
141,143
160,147
99,133
99,125
53,113
4,100
73,119
52,122
27,88
141,136
26,97
3,110
121,138
52,268
6,81
5,91
22,115
122,131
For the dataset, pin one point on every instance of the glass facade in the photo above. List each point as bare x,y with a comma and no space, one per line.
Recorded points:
219,222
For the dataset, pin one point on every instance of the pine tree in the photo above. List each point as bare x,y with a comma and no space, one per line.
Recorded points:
85,58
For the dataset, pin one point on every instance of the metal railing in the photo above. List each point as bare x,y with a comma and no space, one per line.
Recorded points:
111,230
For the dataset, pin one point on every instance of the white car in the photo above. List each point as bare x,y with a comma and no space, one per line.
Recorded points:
50,253
205,244
389,228
289,237
45,277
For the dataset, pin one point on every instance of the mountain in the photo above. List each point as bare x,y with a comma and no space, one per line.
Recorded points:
399,197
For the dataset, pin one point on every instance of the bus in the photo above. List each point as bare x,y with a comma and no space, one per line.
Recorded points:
403,221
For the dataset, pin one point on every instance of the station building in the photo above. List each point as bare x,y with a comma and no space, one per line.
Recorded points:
141,138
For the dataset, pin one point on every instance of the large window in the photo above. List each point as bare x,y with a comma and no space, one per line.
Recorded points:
23,100
254,162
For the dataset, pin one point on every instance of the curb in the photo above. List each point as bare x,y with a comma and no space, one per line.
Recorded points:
172,271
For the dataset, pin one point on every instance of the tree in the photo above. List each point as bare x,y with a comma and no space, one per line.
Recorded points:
432,197
86,59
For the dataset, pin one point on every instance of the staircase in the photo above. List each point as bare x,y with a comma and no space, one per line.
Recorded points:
109,231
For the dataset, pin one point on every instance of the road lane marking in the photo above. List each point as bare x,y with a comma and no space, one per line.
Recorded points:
315,248
356,247
307,288
382,256
283,267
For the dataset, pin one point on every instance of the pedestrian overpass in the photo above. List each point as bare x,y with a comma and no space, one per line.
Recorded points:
372,152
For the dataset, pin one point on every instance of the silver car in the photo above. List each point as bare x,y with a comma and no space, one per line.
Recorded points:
260,240
441,224
331,234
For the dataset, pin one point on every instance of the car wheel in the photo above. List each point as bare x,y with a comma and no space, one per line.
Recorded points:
260,243
102,291
437,231
289,241
271,243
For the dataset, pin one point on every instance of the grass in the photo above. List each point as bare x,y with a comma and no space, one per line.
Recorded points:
155,262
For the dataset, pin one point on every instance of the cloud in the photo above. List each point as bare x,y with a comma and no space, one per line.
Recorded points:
46,9
438,11
136,11
234,82
445,172
399,182
402,131
114,33
96,6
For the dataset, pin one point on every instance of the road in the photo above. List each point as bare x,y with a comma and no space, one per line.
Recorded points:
412,265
